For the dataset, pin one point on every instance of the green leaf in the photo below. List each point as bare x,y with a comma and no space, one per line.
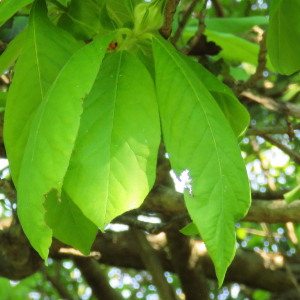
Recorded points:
235,48
82,19
293,195
9,7
130,4
12,52
118,11
236,114
105,19
45,111
190,229
198,138
114,162
283,39
147,61
68,223
233,25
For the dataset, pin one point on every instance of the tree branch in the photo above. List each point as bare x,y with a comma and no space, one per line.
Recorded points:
192,277
96,279
153,265
284,108
184,20
197,36
170,10
218,8
271,130
273,212
262,61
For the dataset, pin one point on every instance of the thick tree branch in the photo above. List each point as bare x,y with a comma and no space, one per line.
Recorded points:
273,212
260,211
192,277
269,195
96,279
153,265
259,270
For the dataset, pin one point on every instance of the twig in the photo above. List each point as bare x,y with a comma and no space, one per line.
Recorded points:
153,265
262,61
272,130
170,10
201,27
218,8
183,22
293,155
284,108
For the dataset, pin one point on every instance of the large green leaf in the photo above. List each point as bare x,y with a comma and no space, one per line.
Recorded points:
235,48
233,25
198,138
283,40
68,223
82,19
9,7
236,114
114,161
42,117
12,51
47,49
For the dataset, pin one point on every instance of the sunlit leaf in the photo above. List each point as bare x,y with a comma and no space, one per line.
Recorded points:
113,166
236,114
198,138
43,113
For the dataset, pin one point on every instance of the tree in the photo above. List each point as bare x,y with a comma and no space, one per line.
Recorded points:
104,102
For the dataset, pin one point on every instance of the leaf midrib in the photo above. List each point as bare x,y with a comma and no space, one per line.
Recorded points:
110,145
